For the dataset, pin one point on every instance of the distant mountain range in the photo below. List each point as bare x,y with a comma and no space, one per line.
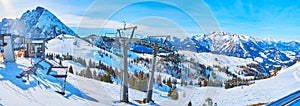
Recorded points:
267,52
270,54
38,23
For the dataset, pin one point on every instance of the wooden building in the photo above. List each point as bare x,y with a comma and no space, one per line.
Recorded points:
35,48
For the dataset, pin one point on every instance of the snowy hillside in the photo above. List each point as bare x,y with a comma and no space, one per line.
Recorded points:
219,61
268,53
84,49
40,90
262,91
230,69
38,23
77,47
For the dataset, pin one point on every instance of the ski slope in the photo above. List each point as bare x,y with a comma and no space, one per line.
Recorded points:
262,91
82,91
209,59
40,90
64,44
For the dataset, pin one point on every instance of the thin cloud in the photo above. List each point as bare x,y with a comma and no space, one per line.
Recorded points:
87,22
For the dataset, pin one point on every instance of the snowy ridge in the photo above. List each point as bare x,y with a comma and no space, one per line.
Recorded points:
269,52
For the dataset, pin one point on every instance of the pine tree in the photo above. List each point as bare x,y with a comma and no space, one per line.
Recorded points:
164,81
191,83
94,74
181,82
81,73
71,70
93,64
200,84
71,57
84,62
174,81
169,83
90,63
99,77
204,83
60,62
88,73
227,85
190,103
103,78
131,82
158,80
108,78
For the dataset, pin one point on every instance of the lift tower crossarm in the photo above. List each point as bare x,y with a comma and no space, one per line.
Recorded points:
133,28
160,36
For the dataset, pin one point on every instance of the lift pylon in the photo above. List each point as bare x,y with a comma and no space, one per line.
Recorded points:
124,89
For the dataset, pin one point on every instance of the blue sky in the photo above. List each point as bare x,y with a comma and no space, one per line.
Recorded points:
279,19
259,18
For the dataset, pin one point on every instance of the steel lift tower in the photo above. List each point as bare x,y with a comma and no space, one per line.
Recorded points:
125,41
156,46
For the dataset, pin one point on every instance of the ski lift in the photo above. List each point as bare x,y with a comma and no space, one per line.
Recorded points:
30,70
107,39
75,42
35,48
2,43
58,71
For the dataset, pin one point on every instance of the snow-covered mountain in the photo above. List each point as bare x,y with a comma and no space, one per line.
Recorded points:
237,45
38,23
266,52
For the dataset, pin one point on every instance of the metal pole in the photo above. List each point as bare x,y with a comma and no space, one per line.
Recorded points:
125,74
125,83
151,79
64,84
